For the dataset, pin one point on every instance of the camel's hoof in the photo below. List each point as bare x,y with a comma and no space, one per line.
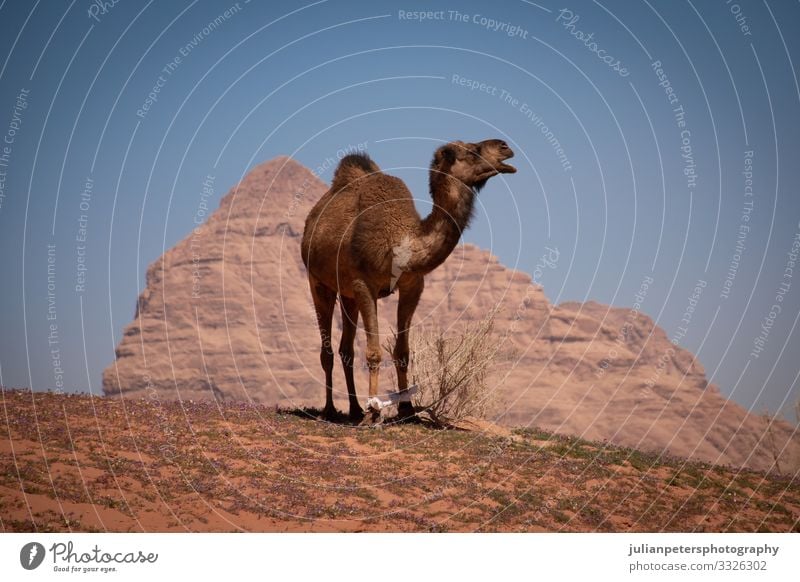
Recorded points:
329,413
372,417
356,415
405,410
406,415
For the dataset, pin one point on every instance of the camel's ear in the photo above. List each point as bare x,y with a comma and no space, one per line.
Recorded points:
445,156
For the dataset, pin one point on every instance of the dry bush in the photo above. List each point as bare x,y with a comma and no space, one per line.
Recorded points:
781,442
451,371
769,438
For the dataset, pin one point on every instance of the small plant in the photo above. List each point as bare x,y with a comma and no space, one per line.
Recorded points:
450,371
769,436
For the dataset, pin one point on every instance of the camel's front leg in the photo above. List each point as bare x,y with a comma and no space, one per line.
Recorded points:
367,305
407,304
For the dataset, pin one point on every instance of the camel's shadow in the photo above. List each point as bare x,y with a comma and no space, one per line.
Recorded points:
340,418
315,414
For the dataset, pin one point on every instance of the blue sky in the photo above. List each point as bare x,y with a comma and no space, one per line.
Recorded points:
610,174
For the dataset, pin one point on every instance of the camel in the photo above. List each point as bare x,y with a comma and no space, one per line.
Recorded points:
364,239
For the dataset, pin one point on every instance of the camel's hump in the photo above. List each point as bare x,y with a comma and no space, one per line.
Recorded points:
351,168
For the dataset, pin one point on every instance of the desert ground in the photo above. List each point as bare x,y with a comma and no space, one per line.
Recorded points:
81,463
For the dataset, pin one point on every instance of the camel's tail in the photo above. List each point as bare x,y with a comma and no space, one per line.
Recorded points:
351,168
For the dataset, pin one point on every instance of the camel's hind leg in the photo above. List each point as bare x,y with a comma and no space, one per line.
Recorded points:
324,303
406,305
347,353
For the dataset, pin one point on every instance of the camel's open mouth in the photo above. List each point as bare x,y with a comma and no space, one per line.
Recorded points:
506,168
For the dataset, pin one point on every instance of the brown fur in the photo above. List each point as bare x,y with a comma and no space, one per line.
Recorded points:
353,233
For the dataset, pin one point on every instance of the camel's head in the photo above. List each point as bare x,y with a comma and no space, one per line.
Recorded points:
474,163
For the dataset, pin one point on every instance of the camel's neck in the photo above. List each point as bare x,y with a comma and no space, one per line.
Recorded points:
440,232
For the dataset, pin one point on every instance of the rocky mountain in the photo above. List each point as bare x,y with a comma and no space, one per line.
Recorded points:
226,314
